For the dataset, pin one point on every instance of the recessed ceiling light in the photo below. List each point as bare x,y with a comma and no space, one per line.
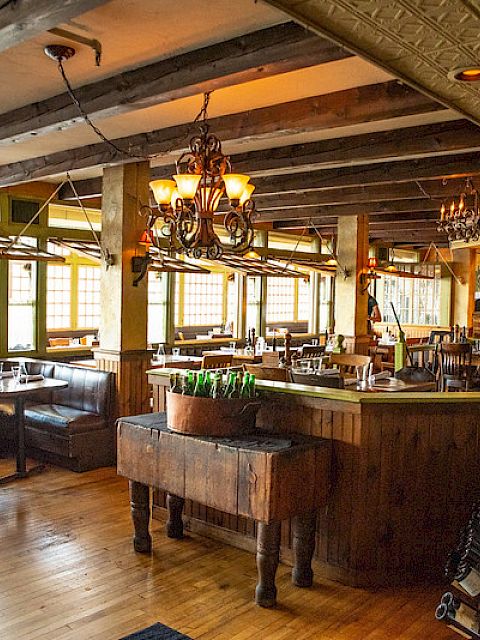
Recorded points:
465,74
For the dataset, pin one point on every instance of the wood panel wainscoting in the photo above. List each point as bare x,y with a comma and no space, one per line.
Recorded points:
133,393
403,479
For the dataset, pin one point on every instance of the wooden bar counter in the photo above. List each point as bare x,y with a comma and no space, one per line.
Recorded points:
404,478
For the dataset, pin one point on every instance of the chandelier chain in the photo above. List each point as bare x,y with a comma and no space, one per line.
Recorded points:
91,124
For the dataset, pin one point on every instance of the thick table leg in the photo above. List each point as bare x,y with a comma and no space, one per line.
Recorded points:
303,548
174,524
268,551
21,458
20,419
140,508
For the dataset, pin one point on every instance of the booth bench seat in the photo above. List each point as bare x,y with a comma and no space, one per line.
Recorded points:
75,427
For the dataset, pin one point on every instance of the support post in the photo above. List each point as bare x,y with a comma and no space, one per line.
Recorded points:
351,298
123,321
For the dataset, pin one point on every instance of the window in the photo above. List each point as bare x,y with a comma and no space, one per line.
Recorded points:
202,302
325,302
88,309
416,301
24,210
156,311
59,307
280,299
22,288
303,303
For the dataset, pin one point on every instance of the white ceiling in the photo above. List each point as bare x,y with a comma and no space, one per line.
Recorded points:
133,33
136,32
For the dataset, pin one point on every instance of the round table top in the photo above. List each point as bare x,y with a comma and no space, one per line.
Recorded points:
9,388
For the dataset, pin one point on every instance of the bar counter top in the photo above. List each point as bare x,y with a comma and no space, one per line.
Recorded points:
355,397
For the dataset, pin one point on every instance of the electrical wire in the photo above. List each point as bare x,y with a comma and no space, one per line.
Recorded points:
7,3
93,126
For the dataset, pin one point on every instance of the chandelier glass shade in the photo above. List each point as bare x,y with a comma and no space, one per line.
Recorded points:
461,220
188,203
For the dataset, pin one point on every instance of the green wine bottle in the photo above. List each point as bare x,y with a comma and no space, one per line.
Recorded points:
208,383
230,385
252,393
191,383
217,386
185,385
199,390
177,387
244,391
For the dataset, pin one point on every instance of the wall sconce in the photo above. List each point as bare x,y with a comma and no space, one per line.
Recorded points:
371,274
140,263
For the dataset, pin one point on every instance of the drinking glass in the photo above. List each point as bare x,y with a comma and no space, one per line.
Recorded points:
176,351
16,369
233,345
314,342
1,370
160,355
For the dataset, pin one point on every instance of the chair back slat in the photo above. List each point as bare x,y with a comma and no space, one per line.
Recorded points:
275,374
311,351
217,361
348,362
455,362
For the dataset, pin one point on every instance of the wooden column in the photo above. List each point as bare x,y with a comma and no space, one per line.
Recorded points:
315,278
261,240
123,322
351,302
240,325
463,299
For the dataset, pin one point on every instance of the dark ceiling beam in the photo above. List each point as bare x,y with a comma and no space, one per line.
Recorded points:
356,195
24,19
381,221
394,207
386,146
285,47
343,108
457,166
92,188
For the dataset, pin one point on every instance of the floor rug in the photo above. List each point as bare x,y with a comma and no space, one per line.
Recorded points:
157,632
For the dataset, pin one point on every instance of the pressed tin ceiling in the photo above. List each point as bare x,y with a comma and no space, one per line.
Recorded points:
419,41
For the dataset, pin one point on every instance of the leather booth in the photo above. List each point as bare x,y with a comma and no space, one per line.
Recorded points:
75,426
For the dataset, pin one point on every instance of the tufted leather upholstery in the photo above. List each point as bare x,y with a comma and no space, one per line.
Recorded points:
53,417
76,425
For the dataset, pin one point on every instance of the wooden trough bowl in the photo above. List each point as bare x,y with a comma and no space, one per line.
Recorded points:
221,417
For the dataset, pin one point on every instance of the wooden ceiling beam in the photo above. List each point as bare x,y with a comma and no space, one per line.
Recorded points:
442,138
343,108
260,54
20,21
393,207
455,166
382,221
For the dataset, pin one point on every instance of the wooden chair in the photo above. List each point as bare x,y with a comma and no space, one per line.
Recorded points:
271,358
348,362
437,336
314,380
311,351
275,374
455,362
217,361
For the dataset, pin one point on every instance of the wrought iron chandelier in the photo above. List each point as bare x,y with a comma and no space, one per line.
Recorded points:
188,202
461,221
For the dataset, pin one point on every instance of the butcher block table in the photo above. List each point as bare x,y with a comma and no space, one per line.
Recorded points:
262,476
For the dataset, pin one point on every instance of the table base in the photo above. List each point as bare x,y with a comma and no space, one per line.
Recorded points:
18,475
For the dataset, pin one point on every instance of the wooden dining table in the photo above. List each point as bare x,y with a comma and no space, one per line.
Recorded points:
18,393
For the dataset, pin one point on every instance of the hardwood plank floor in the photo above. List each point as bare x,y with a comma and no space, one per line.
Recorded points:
68,572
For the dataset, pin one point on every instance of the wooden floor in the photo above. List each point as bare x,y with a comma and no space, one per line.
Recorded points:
68,572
